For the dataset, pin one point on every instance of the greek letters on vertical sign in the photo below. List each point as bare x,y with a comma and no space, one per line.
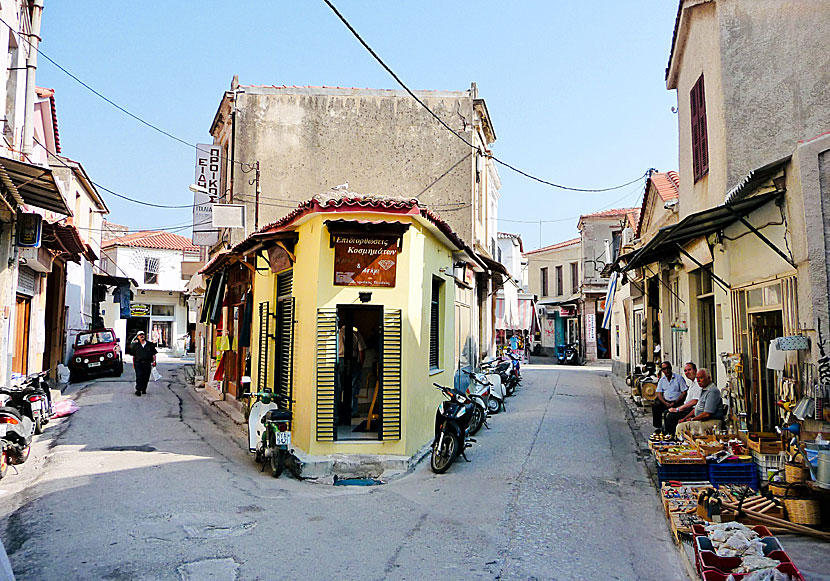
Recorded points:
208,176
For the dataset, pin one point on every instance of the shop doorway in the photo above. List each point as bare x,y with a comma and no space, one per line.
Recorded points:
764,327
358,399
22,314
136,324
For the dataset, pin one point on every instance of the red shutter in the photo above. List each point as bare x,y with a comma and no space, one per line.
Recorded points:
700,148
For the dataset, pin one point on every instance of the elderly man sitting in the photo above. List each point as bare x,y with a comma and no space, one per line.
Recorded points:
708,412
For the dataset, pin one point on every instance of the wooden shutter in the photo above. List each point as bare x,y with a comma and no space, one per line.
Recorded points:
285,339
391,376
700,146
263,360
434,325
326,360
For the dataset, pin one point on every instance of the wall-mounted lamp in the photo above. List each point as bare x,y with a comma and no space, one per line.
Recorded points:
364,297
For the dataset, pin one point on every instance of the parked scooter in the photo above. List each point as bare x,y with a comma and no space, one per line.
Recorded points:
269,433
478,390
16,433
32,398
496,372
572,354
452,427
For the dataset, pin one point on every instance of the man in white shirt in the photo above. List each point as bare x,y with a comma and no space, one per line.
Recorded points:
671,390
679,412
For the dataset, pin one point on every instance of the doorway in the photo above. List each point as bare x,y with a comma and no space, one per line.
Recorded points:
22,314
134,325
764,327
358,383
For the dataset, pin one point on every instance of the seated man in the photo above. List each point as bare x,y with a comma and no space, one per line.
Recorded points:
687,410
708,412
671,391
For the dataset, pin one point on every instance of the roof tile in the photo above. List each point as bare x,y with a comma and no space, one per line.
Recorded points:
158,239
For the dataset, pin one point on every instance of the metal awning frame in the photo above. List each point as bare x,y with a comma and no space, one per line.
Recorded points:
667,240
32,185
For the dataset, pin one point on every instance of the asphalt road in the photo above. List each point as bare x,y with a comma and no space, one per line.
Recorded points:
159,487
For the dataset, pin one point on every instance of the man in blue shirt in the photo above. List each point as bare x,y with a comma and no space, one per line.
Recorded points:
671,391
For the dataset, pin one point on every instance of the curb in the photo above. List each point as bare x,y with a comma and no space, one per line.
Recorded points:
644,455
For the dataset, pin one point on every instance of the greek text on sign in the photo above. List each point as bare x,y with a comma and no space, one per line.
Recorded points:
208,176
365,260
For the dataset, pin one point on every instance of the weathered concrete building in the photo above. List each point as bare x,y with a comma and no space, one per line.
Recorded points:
305,141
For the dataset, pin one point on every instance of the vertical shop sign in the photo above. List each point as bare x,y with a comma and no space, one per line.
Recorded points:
365,260
591,327
208,178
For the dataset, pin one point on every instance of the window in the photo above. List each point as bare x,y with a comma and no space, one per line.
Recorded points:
151,270
574,277
435,324
700,147
162,311
544,277
559,286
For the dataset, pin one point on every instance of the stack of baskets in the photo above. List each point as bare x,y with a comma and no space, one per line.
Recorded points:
801,509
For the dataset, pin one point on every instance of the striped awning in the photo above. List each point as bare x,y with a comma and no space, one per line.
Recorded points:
525,318
33,185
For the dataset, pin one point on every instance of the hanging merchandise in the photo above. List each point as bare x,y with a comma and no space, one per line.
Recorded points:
776,358
247,319
794,343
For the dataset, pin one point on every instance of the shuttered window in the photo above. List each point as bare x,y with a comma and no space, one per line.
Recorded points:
700,146
285,339
543,273
263,360
391,371
326,360
560,289
435,325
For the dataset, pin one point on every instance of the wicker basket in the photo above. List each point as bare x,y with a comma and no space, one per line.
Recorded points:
778,488
795,472
803,511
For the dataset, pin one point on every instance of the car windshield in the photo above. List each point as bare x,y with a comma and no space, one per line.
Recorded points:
95,338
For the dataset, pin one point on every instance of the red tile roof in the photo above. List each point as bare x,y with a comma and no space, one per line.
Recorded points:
153,239
570,242
344,203
50,94
632,215
667,186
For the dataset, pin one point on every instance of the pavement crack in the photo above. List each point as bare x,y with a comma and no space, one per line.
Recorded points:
391,564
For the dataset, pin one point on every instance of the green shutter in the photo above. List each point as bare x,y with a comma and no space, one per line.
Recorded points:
326,359
391,376
263,361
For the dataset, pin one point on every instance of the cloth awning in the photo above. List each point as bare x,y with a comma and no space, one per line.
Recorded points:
524,319
32,185
664,244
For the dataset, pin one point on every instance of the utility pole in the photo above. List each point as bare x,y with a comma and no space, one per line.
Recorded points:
31,69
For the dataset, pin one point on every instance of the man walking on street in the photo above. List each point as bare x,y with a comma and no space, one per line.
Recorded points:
671,390
144,359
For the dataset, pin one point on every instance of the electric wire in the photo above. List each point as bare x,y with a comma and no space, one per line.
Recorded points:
105,98
453,131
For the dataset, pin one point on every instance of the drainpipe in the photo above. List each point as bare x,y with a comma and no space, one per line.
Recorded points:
31,68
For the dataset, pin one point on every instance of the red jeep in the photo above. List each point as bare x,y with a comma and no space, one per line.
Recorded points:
97,351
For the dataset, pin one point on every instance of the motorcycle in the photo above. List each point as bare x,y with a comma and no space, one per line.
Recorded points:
16,433
269,433
479,391
560,354
452,428
33,399
572,353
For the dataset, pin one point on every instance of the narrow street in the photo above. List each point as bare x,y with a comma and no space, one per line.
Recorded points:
155,488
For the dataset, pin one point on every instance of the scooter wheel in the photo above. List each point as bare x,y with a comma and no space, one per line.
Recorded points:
477,421
38,426
493,406
278,463
21,456
4,463
442,458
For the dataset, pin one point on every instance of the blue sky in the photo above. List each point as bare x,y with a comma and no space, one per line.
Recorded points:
576,90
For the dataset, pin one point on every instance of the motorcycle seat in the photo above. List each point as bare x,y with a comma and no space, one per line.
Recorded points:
12,412
277,416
